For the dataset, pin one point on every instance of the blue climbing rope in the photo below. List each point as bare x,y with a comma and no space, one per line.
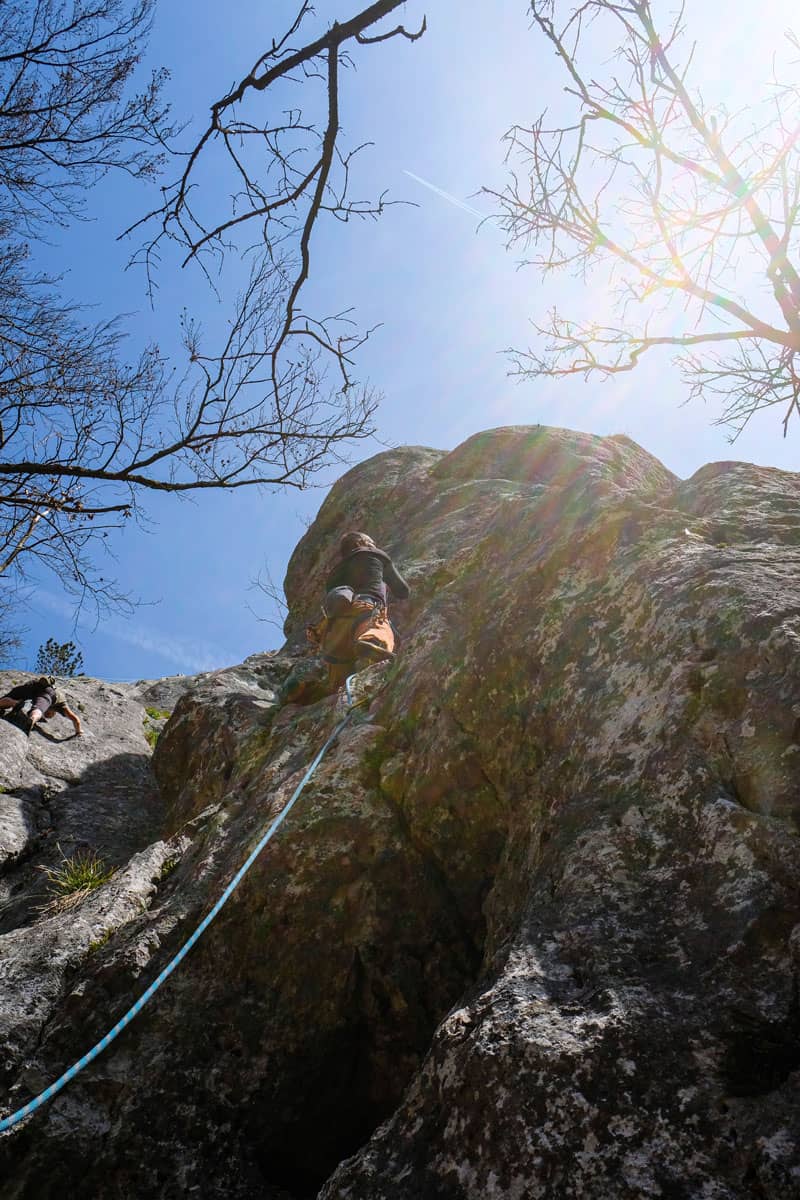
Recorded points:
63,1080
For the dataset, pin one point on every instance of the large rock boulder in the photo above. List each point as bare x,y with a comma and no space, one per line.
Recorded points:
533,925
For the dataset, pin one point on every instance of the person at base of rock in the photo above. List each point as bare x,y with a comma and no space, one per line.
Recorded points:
46,701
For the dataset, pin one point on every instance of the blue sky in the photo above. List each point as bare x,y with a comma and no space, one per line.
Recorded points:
449,297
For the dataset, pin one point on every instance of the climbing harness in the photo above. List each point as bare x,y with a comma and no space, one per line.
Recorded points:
358,635
63,1080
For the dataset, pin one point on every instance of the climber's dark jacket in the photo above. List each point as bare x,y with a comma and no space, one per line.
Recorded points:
368,572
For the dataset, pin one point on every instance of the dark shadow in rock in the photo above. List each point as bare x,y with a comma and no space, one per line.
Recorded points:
308,692
306,684
761,1055
17,719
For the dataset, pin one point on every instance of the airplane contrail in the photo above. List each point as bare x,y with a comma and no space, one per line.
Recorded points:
446,195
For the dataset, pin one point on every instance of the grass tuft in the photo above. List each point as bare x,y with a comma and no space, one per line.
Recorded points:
168,866
74,878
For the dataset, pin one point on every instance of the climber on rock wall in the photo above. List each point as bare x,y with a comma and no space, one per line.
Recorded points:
356,626
46,700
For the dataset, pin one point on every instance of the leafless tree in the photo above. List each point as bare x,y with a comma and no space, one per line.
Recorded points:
65,115
11,630
66,119
264,583
273,149
85,433
694,210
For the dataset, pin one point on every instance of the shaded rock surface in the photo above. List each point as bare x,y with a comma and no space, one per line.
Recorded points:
532,931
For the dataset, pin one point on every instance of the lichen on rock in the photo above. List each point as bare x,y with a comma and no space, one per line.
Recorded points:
533,929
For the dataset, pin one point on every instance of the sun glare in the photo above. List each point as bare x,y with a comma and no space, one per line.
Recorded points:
737,60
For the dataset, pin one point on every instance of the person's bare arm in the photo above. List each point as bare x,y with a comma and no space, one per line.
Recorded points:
76,721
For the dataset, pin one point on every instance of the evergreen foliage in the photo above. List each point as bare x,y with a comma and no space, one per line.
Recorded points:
59,658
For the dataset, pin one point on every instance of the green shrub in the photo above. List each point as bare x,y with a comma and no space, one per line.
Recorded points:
151,733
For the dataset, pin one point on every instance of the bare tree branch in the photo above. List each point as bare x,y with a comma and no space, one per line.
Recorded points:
264,583
65,117
678,200
284,175
86,432
398,31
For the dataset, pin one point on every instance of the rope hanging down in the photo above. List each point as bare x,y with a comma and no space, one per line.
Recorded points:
63,1080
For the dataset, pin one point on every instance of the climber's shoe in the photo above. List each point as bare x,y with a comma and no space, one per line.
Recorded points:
360,605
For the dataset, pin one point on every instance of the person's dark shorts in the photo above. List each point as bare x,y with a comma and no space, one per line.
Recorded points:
45,703
338,601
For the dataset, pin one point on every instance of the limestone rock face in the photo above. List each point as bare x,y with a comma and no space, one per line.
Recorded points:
533,929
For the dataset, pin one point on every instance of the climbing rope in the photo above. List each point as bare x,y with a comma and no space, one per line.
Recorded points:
76,1068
